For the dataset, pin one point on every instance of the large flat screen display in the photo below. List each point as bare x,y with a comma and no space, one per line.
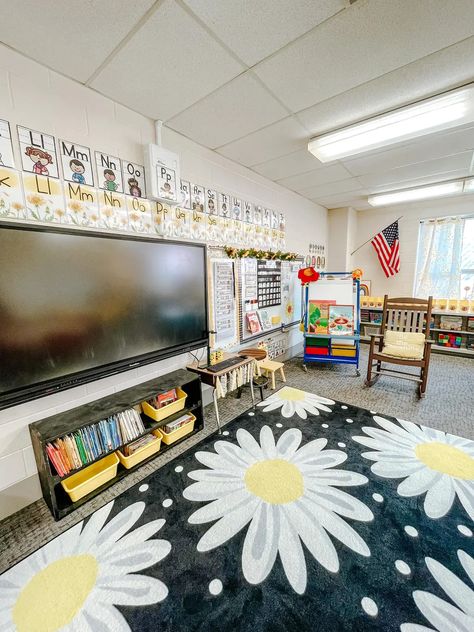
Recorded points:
75,306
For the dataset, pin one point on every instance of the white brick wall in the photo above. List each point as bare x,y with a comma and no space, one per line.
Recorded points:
36,97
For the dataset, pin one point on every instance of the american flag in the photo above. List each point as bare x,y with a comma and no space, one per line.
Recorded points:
387,247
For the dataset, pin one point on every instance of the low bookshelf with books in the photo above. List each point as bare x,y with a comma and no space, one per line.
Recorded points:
82,451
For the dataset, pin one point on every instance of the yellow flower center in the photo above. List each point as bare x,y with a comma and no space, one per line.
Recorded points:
54,596
275,481
291,394
446,459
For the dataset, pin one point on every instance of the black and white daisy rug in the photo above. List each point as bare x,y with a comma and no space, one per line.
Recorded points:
305,514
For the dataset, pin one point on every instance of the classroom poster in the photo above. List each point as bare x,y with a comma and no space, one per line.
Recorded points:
139,214
113,210
161,218
109,172
166,179
211,202
181,223
6,146
76,163
224,306
257,215
82,205
198,226
212,228
227,228
44,199
236,208
248,212
223,204
238,232
185,194
197,197
38,152
12,203
282,222
275,220
133,179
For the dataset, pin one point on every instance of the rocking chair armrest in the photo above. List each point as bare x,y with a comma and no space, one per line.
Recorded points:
376,335
428,341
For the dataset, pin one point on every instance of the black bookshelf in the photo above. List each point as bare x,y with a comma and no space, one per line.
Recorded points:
50,428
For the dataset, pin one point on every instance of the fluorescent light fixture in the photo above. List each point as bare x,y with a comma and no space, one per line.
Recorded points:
436,114
469,185
420,193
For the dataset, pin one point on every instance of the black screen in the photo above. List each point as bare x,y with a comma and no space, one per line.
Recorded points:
75,304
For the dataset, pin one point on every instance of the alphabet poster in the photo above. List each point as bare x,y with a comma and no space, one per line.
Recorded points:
266,217
76,163
113,210
38,152
248,214
185,194
197,197
224,205
257,215
275,220
44,198
6,147
134,179
180,223
211,202
12,204
139,214
236,208
166,179
82,205
109,172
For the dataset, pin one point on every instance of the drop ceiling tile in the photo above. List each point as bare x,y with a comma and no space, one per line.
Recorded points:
332,188
348,198
269,142
437,168
367,40
170,63
240,107
304,181
434,146
420,181
71,37
254,30
440,71
290,165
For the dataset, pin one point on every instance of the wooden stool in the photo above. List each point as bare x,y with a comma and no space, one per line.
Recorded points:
269,367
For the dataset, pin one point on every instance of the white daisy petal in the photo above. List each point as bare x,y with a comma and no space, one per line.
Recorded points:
224,476
339,478
292,556
289,442
388,469
325,459
383,443
261,544
418,482
467,563
141,534
118,526
103,618
249,444
341,503
316,399
227,526
93,526
267,441
414,627
276,403
219,507
444,616
137,557
440,497
233,453
132,590
288,409
393,429
392,457
309,450
456,590
465,492
218,462
339,528
202,490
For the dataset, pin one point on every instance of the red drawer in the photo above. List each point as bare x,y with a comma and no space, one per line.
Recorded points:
317,351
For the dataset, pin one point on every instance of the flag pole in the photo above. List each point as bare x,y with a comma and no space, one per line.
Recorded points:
366,242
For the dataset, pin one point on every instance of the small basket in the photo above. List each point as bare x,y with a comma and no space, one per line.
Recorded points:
371,330
158,414
141,454
171,437
90,478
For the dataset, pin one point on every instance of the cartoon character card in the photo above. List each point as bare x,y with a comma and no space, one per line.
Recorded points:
109,172
134,179
6,147
76,163
38,152
211,202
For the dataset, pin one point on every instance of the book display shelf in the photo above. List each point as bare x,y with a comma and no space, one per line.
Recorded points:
47,430
452,331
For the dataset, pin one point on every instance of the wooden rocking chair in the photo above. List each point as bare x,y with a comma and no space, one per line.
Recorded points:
403,340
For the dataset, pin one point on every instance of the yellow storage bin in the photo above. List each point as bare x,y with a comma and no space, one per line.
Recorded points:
350,353
90,478
142,453
158,414
171,437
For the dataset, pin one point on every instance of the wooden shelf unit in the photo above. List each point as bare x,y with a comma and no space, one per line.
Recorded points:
467,335
48,429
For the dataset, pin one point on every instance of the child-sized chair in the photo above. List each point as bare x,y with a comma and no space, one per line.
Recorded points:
270,367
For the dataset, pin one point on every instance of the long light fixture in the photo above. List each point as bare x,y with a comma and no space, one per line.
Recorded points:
442,189
436,114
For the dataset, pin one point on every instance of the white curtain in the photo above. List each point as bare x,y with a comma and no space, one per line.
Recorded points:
438,269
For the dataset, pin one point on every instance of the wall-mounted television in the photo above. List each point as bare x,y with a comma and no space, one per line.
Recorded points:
76,306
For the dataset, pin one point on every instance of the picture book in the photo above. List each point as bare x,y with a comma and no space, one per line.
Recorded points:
470,323
167,398
341,320
376,318
265,318
453,323
318,316
253,322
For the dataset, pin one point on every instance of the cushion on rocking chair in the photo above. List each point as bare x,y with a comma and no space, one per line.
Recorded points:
404,344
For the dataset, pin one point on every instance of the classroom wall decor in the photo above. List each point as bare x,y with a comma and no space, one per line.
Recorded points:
63,182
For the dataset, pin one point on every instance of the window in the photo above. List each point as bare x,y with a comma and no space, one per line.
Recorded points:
445,258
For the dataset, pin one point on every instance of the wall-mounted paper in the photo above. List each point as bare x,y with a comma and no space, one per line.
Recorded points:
166,178
113,210
211,202
185,194
12,203
82,205
109,172
139,214
248,212
38,152
134,179
44,198
236,208
76,163
223,204
6,146
197,197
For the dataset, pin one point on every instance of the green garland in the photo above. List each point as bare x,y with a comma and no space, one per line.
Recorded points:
252,253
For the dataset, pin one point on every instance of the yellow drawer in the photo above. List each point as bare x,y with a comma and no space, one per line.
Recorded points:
171,437
90,478
158,414
142,453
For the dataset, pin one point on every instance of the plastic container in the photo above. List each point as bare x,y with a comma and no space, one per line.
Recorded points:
171,437
90,478
142,453
158,414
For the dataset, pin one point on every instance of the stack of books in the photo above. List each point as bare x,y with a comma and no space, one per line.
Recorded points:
87,444
177,423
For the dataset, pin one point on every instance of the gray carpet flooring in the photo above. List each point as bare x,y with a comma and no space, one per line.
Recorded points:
448,406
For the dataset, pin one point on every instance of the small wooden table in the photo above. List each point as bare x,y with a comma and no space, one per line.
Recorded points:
210,378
